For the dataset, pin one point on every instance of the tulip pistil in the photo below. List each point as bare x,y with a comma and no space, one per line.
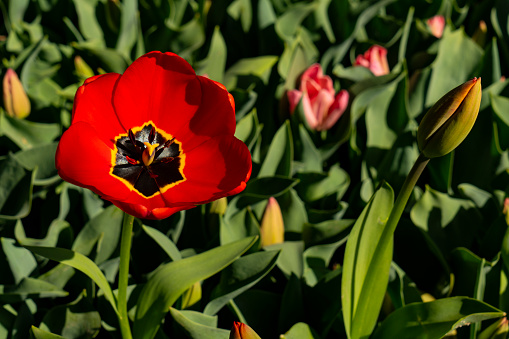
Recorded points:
148,160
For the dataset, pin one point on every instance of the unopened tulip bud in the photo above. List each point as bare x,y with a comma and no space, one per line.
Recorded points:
83,70
192,295
242,331
450,120
505,211
480,34
272,228
16,102
219,206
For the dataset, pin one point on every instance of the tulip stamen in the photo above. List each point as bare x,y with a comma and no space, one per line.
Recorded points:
131,160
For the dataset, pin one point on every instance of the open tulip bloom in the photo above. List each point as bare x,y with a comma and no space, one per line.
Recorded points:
155,140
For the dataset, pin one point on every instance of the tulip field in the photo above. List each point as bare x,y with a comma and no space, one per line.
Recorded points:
246,169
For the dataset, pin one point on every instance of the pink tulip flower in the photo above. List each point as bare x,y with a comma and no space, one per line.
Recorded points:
375,59
436,25
321,108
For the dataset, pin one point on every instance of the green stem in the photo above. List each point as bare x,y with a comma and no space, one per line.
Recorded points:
402,199
123,275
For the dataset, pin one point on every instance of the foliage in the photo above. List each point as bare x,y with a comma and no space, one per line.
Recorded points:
200,270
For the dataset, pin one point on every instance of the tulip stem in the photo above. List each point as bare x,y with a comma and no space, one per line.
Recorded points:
123,275
402,199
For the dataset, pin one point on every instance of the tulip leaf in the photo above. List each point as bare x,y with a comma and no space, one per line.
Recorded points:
435,319
300,331
457,59
102,232
87,20
79,262
129,23
51,238
259,67
164,242
15,189
174,278
43,158
365,277
20,260
27,134
278,160
196,330
287,24
40,334
315,186
248,129
29,288
214,64
241,275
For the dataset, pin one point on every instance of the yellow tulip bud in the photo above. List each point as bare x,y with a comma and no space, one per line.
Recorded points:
219,206
192,295
242,331
450,120
272,228
497,330
16,102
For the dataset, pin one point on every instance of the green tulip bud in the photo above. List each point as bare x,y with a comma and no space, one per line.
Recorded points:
450,120
83,70
16,101
242,331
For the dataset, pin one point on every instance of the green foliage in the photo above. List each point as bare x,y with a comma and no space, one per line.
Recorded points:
59,254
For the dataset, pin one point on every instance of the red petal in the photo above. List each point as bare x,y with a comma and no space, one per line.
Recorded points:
83,159
140,211
214,117
217,168
93,105
158,87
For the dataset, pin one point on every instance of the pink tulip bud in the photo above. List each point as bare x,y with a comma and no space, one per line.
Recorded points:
436,25
322,108
375,59
16,102
242,331
272,228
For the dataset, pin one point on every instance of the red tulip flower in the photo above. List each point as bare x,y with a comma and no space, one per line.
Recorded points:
375,59
322,108
155,140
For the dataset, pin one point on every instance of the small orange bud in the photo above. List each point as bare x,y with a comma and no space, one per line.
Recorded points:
450,120
16,102
272,228
242,331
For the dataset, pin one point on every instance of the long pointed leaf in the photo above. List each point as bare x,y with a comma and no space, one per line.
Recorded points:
172,279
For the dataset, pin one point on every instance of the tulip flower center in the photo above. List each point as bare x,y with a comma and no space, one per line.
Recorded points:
148,160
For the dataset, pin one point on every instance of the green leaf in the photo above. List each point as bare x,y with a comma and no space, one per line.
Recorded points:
27,134
435,319
194,329
173,279
290,260
300,331
164,242
87,21
241,9
214,64
40,334
457,58
278,160
104,230
241,275
259,67
364,284
51,238
30,288
77,319
248,129
42,158
79,262
315,186
20,260
288,23
15,189
129,22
